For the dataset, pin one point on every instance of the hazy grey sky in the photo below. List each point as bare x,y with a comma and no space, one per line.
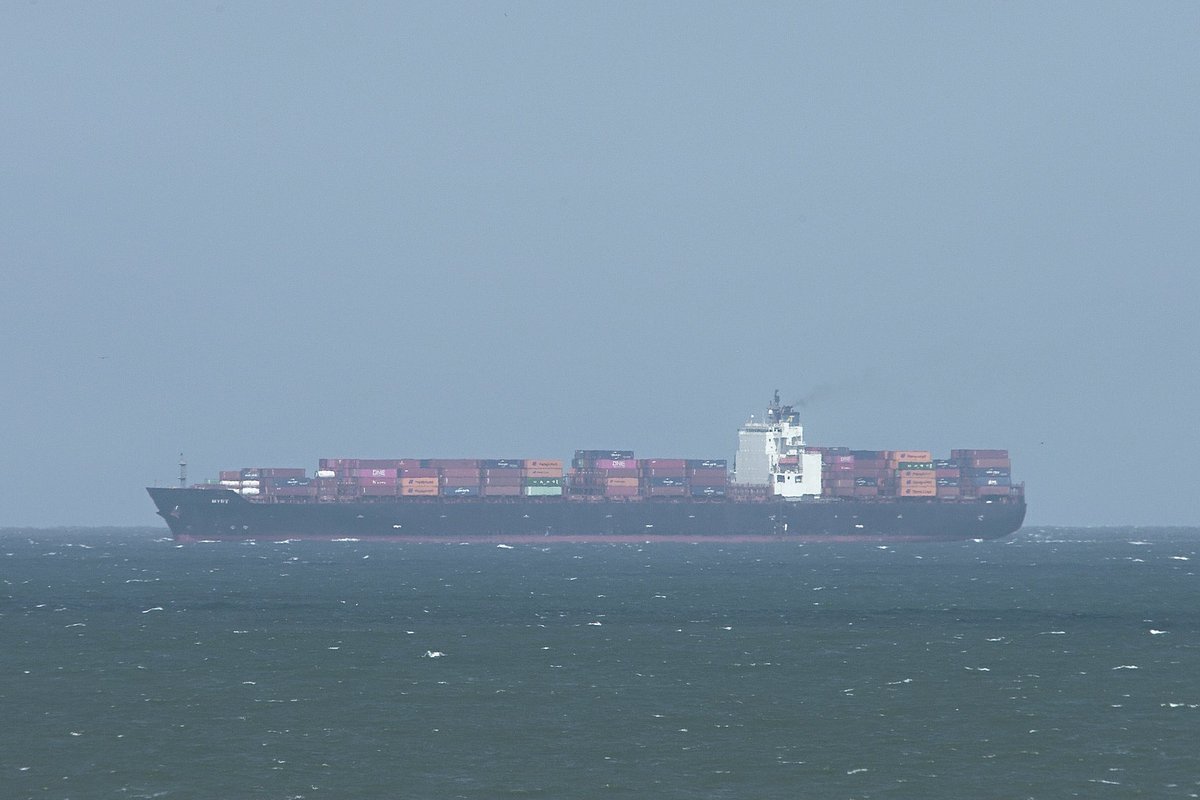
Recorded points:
266,233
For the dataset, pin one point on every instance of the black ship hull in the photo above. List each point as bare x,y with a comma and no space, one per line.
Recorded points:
200,514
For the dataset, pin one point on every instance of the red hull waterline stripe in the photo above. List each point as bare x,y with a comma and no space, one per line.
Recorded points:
554,538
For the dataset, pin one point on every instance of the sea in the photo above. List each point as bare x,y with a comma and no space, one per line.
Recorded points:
1059,662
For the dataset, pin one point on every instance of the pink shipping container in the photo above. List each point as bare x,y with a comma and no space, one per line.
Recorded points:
844,466
231,475
843,459
948,491
866,491
374,472
612,463
620,491
491,490
946,472
379,491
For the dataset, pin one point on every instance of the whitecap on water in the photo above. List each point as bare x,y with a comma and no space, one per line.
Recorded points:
504,546
433,654
1156,633
1126,666
156,608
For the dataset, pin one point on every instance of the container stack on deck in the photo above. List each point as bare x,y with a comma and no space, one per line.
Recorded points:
914,473
845,473
616,473
348,478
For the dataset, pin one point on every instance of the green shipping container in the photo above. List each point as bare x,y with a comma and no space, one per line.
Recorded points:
541,482
916,465
542,491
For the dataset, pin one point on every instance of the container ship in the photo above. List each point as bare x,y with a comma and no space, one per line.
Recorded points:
780,488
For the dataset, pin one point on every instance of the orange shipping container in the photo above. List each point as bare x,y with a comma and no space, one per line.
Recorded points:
621,482
419,482
542,472
918,491
910,455
921,474
534,463
418,491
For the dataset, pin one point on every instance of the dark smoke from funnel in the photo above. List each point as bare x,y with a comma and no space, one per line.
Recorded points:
823,392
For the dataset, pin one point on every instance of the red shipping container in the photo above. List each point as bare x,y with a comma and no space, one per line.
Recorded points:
663,472
503,480
501,491
378,463
460,472
666,491
618,473
453,463
662,463
987,463
418,472
377,481
707,473
979,454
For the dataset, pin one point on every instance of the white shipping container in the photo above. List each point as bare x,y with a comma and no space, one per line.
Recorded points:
542,491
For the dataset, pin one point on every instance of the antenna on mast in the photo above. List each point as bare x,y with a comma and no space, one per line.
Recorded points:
182,472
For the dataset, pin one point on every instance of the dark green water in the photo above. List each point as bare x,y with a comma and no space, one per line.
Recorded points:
1058,663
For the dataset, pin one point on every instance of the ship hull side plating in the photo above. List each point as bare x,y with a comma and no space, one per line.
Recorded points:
199,514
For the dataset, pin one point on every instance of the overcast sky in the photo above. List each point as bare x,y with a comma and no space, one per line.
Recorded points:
262,234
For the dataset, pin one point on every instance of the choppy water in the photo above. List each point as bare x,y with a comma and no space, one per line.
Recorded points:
1058,663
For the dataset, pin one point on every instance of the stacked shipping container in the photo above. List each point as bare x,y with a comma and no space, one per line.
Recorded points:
913,473
616,473
845,473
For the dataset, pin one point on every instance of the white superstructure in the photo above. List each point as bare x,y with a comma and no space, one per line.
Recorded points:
771,451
